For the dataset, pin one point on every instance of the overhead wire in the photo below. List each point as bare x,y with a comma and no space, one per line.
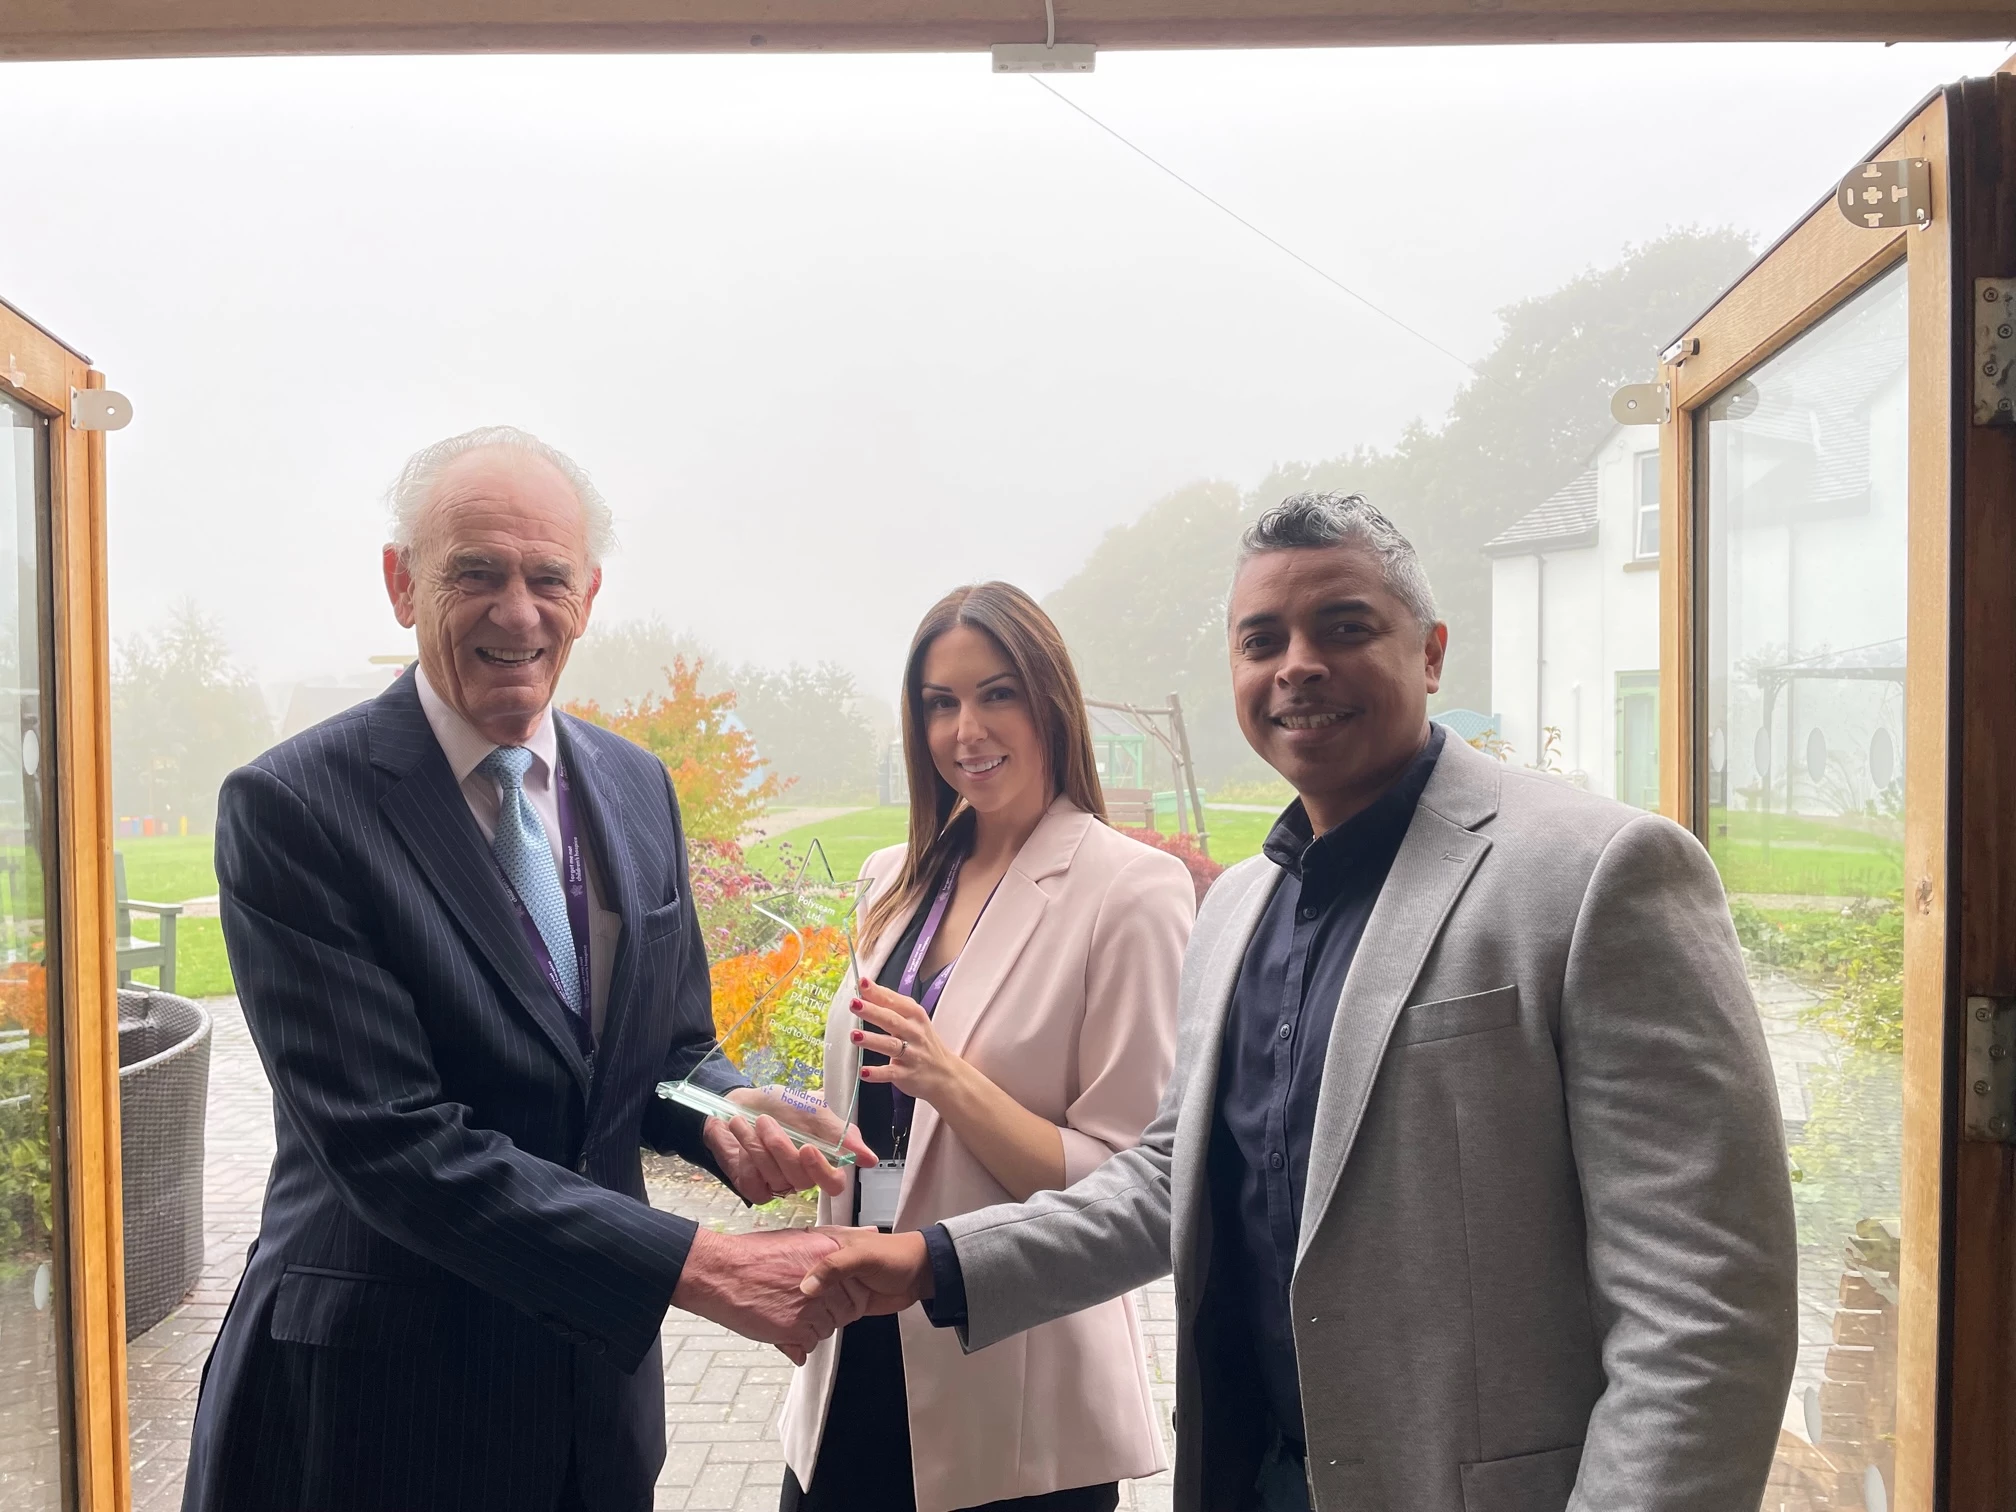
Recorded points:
1271,240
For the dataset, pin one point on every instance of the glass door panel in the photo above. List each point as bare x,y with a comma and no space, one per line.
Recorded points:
1801,473
33,1381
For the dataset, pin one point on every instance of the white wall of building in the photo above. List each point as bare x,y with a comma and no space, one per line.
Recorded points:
1557,650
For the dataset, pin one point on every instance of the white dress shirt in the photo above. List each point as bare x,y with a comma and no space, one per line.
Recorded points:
466,747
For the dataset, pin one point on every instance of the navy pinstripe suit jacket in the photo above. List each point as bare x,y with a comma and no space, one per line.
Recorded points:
457,1285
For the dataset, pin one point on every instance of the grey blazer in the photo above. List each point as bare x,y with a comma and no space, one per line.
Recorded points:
1546,1258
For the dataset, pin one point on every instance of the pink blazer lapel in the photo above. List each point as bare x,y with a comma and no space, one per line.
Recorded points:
991,952
998,940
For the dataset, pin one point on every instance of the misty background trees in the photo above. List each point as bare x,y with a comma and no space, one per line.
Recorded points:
1144,614
183,715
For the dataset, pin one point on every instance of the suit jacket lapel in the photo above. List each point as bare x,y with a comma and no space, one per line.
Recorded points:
600,817
998,939
991,952
1435,863
1206,1032
429,813
1011,918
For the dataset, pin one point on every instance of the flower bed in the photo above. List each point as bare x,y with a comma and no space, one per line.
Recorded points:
1203,870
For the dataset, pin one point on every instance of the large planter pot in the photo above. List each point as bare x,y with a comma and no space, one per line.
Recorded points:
164,1086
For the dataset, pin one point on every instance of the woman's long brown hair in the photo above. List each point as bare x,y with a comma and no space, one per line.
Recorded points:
940,822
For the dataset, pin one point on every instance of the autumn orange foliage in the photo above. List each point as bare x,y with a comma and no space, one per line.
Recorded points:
24,997
801,986
713,761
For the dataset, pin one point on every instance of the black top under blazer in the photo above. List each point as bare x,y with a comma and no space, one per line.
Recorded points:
458,1284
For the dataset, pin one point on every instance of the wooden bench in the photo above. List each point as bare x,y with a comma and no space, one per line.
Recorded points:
1133,808
135,954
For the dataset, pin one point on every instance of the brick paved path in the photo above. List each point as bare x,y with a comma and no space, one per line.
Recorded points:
721,1392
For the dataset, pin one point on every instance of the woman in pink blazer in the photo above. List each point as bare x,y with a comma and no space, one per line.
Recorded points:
1016,1024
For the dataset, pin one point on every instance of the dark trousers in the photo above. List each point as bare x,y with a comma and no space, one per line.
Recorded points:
864,1454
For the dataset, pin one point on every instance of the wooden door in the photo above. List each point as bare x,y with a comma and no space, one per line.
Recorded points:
1838,602
62,1309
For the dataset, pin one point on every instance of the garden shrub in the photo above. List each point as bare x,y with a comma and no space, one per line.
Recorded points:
725,891
713,761
26,1216
1203,870
1854,957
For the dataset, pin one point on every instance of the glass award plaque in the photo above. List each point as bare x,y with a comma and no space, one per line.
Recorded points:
786,956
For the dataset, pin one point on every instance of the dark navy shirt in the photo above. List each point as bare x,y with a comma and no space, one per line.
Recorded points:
1276,1036
1271,1073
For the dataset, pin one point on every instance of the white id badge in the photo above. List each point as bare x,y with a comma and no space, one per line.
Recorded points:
876,1189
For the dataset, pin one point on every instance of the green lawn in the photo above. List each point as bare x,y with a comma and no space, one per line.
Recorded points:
201,969
1776,853
174,869
848,841
1235,836
168,868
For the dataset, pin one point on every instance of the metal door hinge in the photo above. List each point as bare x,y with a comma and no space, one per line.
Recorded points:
1994,351
1991,1069
1893,193
1642,404
99,409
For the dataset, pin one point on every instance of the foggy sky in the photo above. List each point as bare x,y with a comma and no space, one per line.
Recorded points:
832,334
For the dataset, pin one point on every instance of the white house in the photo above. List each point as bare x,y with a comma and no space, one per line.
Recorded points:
1807,487
1575,623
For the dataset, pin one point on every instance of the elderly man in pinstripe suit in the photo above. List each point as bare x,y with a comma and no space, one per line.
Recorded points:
465,946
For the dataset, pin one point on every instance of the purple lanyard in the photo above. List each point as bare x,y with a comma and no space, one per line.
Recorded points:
903,1107
907,983
574,882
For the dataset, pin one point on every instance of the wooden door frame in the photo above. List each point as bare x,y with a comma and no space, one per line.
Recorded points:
1981,1268
41,372
1956,1389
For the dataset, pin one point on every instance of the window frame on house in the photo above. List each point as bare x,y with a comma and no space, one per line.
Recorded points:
1645,509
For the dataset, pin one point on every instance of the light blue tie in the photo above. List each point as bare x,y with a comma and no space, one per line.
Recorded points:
526,856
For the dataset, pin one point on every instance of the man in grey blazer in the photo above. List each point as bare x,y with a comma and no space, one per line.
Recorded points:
1471,1171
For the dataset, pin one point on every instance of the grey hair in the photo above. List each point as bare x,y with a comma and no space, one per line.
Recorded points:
1308,520
408,497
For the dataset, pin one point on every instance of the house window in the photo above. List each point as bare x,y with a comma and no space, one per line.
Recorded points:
1645,539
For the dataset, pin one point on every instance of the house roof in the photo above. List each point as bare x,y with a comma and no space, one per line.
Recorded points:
1566,519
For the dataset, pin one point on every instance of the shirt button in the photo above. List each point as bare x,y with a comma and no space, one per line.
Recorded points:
1286,1031
1308,914
1276,1160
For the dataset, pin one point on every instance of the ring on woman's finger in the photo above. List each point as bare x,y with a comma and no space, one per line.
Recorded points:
903,1048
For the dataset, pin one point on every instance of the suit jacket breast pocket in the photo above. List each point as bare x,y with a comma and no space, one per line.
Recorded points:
1453,1018
659,923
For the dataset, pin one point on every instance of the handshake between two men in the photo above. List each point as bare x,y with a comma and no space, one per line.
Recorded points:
793,1287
